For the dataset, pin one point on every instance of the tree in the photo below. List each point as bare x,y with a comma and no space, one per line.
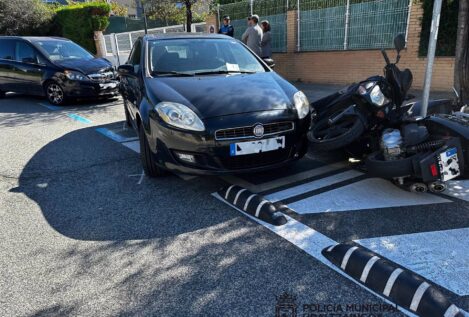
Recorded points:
24,17
461,65
178,11
117,9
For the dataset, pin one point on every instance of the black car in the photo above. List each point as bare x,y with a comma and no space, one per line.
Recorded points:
206,104
53,67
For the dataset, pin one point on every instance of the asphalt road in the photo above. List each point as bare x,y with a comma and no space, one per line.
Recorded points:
83,233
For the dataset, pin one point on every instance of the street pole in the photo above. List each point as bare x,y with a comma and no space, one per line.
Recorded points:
427,83
145,24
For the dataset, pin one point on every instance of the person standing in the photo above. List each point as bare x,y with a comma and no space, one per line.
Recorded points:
226,28
266,42
252,37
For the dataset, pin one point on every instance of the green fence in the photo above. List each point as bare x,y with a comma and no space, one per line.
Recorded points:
350,25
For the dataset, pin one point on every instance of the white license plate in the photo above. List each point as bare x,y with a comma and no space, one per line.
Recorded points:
259,146
108,85
449,164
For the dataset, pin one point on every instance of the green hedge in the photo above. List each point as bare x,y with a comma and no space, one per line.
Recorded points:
446,45
79,21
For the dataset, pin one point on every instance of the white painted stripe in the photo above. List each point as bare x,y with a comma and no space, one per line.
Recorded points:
347,257
452,311
238,194
134,146
391,281
248,201
300,176
314,185
311,242
369,193
414,305
228,191
367,268
440,256
258,210
331,247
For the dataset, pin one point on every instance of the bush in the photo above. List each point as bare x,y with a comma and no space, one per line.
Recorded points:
24,17
79,21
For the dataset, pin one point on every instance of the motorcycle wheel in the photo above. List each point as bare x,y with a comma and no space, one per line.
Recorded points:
326,137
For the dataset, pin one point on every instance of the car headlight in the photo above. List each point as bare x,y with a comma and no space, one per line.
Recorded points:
301,104
377,97
73,75
180,116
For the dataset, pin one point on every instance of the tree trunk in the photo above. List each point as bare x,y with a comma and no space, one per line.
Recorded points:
188,15
461,65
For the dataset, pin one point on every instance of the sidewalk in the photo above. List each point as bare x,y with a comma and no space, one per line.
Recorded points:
318,91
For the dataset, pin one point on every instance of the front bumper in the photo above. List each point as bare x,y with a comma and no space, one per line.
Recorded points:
212,157
90,89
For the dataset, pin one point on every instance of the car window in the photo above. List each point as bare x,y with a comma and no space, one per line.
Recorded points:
7,49
60,50
25,53
201,56
135,55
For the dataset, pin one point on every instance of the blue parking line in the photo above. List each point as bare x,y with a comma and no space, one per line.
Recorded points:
78,118
114,136
51,107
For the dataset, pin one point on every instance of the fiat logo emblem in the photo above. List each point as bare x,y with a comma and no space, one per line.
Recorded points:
259,131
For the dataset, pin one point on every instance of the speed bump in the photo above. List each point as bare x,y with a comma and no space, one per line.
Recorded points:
252,204
401,286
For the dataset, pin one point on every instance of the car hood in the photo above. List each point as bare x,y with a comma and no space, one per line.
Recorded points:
220,95
86,66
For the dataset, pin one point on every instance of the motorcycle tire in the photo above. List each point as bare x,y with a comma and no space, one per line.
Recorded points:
377,166
349,128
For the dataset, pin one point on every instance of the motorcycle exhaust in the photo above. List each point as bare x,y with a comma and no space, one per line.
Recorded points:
437,187
418,188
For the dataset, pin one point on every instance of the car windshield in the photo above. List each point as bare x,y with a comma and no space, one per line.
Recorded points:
57,50
200,56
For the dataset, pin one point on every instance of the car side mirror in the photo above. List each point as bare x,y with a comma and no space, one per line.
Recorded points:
270,62
399,42
126,69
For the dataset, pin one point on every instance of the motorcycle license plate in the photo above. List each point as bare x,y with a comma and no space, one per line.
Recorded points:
259,146
449,164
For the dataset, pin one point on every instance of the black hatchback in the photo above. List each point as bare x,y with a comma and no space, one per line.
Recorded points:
53,67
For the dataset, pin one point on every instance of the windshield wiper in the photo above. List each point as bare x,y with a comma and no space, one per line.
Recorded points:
224,72
170,73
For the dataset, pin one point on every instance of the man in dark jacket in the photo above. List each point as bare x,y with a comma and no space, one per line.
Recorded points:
226,28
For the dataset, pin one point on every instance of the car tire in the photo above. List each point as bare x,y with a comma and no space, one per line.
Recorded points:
55,93
148,162
128,120
352,128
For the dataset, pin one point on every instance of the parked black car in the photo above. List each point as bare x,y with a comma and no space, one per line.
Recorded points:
205,104
53,67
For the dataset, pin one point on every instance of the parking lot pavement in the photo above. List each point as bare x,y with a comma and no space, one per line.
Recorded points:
85,233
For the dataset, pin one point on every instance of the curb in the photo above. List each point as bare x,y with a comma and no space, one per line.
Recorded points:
401,286
253,204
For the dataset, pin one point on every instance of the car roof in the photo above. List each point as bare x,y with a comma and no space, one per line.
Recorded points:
184,35
34,38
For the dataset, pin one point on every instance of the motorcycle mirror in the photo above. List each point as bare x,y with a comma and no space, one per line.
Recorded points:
399,42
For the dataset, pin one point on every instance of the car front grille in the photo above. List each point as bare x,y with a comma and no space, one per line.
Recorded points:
102,77
248,132
255,160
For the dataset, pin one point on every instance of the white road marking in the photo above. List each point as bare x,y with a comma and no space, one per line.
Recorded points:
238,194
366,194
347,257
439,256
258,210
368,267
452,311
313,185
458,189
391,280
248,201
414,305
141,178
310,241
133,145
228,191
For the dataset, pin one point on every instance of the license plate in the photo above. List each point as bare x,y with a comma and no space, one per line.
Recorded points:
259,146
449,164
108,86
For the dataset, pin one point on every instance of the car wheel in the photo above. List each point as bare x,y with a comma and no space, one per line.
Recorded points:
54,93
127,114
326,137
148,162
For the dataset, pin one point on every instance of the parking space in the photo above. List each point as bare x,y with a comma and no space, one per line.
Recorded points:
89,233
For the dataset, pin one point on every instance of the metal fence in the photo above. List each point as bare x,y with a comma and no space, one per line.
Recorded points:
275,11
350,24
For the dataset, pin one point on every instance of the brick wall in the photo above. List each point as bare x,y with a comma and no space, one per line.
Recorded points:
344,67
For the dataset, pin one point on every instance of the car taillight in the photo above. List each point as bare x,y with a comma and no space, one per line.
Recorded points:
434,170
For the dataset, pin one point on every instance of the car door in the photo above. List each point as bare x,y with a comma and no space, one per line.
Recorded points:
7,65
132,82
30,68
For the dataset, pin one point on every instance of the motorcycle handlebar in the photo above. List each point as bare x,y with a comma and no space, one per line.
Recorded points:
386,58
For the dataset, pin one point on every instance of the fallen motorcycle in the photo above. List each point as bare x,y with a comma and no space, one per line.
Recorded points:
370,121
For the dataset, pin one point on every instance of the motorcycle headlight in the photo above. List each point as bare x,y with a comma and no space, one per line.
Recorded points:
180,116
377,97
301,104
74,75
